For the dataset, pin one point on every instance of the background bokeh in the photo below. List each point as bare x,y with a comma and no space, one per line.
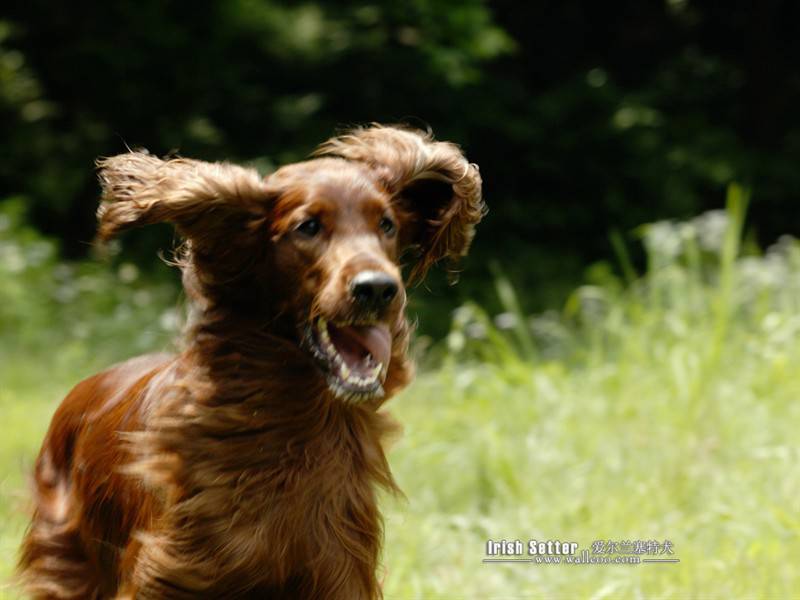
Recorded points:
584,117
621,361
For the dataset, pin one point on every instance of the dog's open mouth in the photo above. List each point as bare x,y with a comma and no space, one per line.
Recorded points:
354,356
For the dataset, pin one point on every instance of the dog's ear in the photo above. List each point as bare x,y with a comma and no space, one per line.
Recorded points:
199,198
436,191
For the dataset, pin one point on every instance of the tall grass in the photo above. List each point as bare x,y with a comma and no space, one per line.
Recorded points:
662,408
656,406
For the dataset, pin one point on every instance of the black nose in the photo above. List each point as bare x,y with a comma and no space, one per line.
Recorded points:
373,289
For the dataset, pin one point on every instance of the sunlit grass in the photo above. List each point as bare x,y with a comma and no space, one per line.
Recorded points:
660,408
608,451
668,410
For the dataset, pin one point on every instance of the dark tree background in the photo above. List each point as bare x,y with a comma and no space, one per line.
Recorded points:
585,117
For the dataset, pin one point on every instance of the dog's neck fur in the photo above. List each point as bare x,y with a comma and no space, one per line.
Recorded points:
253,421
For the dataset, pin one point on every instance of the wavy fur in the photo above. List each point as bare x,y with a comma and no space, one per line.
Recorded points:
233,469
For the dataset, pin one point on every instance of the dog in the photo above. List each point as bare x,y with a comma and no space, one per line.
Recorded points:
247,465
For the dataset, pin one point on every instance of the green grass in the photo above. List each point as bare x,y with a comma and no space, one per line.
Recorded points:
665,407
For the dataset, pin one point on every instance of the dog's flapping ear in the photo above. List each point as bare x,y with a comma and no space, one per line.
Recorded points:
197,197
436,191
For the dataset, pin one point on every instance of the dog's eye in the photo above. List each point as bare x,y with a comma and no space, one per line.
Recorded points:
309,227
387,226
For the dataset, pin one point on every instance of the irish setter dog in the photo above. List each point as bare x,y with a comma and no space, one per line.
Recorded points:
247,466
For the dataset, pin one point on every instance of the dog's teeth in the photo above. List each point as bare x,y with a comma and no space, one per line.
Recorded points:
348,384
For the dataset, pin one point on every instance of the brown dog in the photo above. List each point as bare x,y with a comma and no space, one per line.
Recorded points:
247,465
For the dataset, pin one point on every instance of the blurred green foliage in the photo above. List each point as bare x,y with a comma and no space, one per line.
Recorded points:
92,312
664,408
584,117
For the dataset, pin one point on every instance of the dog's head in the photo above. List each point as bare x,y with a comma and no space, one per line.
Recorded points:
314,251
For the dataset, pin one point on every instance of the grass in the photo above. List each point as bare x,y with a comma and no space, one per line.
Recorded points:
663,407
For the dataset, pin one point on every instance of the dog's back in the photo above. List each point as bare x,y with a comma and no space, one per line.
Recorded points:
66,553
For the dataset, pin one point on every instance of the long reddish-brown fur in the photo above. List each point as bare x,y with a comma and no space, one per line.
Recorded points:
234,469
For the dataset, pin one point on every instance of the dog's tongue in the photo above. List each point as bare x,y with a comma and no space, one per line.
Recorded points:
374,339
